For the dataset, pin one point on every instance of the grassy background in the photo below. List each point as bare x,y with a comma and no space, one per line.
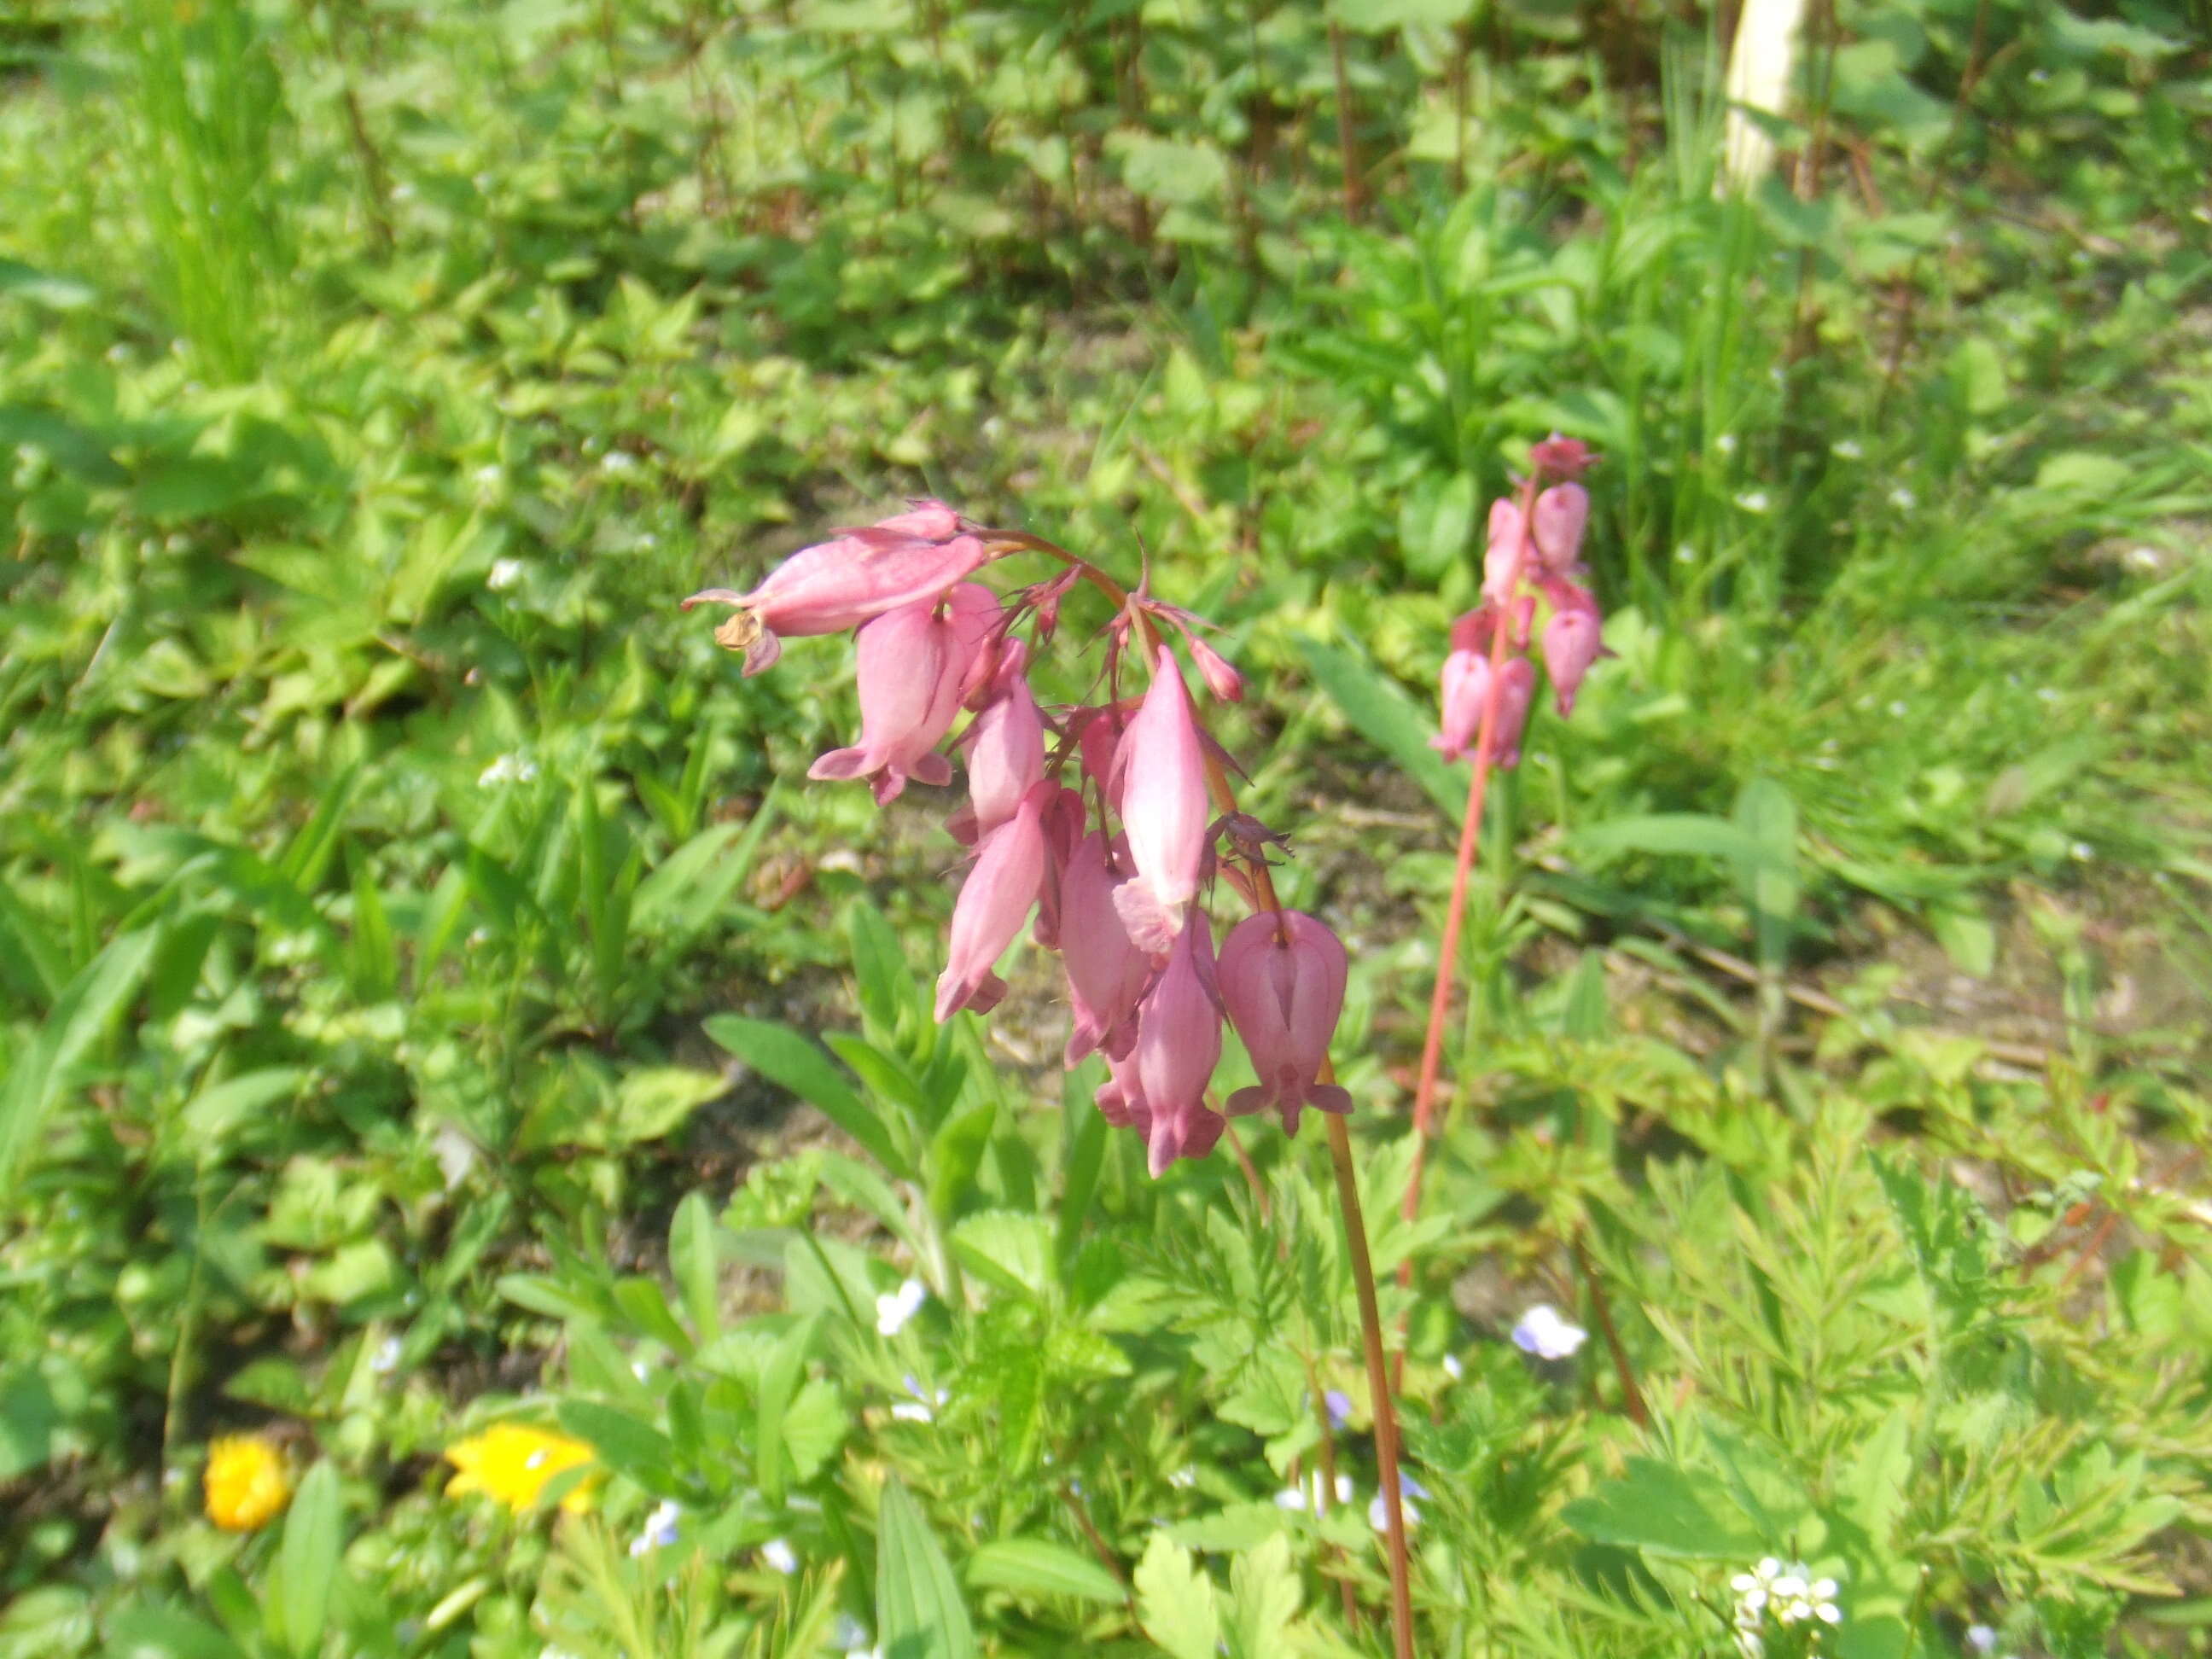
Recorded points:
378,846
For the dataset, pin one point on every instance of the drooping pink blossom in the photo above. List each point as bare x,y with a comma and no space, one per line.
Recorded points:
1106,972
1281,977
1466,688
840,584
1221,679
993,903
1516,684
1571,644
1121,1101
1161,765
912,661
1503,556
1005,753
1178,1045
1556,523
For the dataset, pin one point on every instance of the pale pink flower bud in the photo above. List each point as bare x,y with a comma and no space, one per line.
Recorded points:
1098,741
993,903
1281,977
1561,512
1178,1045
1106,972
1121,1101
1502,559
1570,645
1221,679
1005,757
1466,687
1161,763
1561,457
1516,684
840,584
912,661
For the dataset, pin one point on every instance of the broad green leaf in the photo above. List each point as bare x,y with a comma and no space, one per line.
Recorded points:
781,1055
39,1076
696,1261
622,1442
778,1379
919,1611
1035,1566
1013,1251
1263,1600
1177,1601
1378,709
307,1560
1667,1511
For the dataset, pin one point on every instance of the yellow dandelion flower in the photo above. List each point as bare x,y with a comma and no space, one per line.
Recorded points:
510,1463
246,1483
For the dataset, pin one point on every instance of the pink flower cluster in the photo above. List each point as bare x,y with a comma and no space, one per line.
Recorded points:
1534,551
1096,821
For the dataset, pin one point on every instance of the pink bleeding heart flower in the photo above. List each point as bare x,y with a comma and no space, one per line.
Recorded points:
1560,514
1178,1045
1561,457
1571,644
1466,688
1517,685
1221,679
993,903
1281,978
912,661
840,584
1005,753
1160,764
1121,1101
1106,972
1502,558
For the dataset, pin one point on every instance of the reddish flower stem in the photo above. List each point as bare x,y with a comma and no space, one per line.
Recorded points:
1347,1181
1470,832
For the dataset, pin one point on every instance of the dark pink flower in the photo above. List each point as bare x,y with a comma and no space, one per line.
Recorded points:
1005,754
1178,1045
837,585
1561,457
1281,977
1570,645
1516,684
1106,972
1221,679
1161,766
993,903
1560,514
1121,1101
912,661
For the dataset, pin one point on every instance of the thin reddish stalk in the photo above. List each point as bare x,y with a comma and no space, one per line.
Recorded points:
1470,832
1347,1183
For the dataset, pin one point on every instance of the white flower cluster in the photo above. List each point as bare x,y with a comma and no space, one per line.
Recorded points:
1785,1594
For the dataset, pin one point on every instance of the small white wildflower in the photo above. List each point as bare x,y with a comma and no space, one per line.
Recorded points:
2082,852
660,1530
1903,499
842,859
1725,443
849,1634
1308,1497
894,1308
1848,449
639,1370
1753,501
2143,558
1983,1639
507,769
780,1556
1544,1333
1183,1480
1378,1512
489,476
385,1359
1453,1369
618,461
504,573
922,1408
1685,554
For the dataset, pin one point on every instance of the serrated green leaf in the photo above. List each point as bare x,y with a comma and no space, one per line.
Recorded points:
1177,1601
